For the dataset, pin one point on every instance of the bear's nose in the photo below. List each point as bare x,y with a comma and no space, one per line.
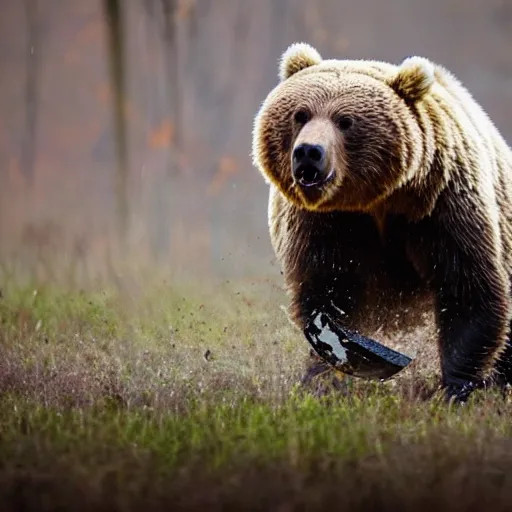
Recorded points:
309,164
309,154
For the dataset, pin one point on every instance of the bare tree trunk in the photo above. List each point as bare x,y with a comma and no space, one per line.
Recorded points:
33,64
114,19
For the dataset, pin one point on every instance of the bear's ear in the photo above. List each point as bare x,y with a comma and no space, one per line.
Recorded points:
297,57
414,78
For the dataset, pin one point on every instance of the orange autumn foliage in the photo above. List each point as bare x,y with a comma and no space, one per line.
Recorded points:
162,136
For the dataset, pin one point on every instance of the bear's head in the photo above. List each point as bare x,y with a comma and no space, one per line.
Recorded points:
340,134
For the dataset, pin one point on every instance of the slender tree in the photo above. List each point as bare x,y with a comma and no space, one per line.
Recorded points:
114,18
33,66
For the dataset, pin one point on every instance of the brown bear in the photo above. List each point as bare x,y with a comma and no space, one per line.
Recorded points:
389,182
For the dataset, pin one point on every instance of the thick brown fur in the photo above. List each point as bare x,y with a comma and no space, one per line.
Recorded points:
420,202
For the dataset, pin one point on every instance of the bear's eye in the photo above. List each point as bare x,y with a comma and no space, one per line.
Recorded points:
344,122
301,117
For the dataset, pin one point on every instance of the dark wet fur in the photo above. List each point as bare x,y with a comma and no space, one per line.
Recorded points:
387,273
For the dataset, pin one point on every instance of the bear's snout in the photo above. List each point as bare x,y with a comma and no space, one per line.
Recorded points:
309,165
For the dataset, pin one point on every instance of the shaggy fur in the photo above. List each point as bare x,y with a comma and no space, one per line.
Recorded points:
420,202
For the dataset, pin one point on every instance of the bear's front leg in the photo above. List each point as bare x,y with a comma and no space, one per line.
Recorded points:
462,260
336,294
471,332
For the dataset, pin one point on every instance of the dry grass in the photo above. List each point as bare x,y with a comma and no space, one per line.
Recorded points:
183,397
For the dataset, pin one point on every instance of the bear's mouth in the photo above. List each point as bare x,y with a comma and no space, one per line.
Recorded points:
311,176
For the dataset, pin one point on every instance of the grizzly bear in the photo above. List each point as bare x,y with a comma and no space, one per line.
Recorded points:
389,182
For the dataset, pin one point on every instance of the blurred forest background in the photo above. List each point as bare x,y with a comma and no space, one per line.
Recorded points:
186,198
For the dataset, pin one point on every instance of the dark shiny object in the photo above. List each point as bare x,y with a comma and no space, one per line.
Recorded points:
350,352
309,165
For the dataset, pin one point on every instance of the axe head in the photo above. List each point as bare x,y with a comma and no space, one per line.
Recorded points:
350,352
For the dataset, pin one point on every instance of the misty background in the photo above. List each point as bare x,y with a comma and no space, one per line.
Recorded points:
187,199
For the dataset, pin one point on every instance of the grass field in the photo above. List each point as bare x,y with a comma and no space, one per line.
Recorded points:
181,397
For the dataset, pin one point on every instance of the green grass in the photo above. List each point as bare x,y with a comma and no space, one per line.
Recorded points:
108,403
